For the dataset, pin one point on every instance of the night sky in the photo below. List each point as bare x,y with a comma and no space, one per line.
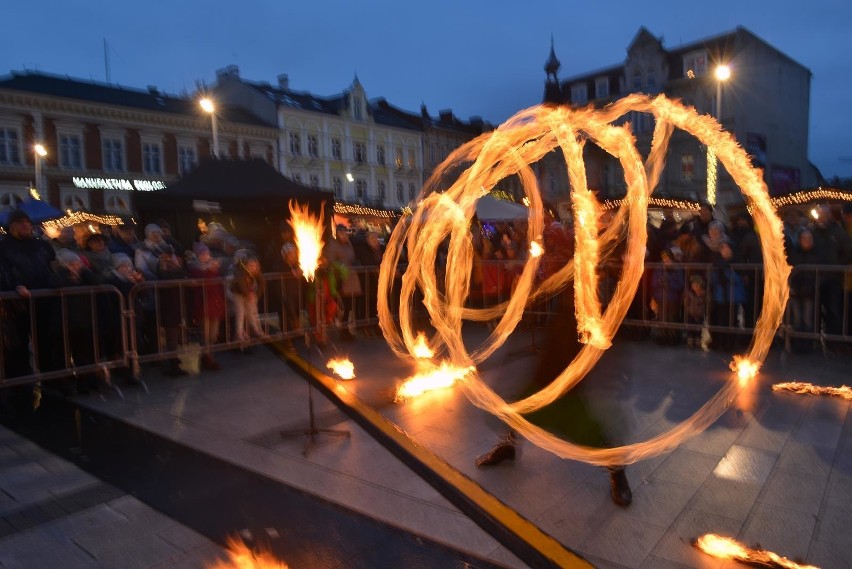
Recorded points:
476,57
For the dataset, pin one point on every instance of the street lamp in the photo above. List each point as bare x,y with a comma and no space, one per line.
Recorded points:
208,106
39,152
722,73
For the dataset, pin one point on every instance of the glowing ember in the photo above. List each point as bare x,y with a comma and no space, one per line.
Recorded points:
430,379
535,249
307,231
745,369
727,548
421,347
443,216
810,389
241,557
342,367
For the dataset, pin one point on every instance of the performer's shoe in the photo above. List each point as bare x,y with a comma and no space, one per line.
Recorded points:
621,493
504,450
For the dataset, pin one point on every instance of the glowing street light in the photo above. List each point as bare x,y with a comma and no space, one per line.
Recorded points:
39,152
209,108
722,74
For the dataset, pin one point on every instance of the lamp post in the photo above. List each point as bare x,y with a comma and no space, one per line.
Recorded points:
39,152
722,73
208,106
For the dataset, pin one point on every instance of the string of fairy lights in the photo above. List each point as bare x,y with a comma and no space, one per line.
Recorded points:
356,209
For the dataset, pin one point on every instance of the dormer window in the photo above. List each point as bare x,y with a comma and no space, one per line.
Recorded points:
601,88
651,81
579,94
637,80
694,64
357,111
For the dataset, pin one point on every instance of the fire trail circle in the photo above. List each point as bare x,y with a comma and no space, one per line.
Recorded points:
446,212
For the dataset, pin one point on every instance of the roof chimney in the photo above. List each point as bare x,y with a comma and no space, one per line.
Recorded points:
152,89
284,81
228,72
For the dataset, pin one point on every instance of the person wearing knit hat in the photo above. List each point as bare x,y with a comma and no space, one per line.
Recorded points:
208,301
147,256
119,259
152,228
68,258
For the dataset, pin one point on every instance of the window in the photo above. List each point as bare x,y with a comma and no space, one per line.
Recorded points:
186,160
295,144
694,64
360,189
433,154
411,191
398,157
335,148
651,81
399,196
380,154
381,187
116,204
356,108
601,87
113,155
359,152
579,94
70,151
73,202
314,181
151,158
411,160
637,80
313,146
687,167
297,178
10,200
9,149
337,186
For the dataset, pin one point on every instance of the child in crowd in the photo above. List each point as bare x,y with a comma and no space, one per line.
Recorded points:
696,308
247,288
209,301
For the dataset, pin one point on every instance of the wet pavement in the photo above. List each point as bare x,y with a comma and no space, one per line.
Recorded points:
775,470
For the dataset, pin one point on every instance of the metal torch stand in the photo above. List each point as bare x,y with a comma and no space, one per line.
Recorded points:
311,432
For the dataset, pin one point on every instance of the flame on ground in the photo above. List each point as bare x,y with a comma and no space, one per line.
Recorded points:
421,347
804,388
723,547
745,369
307,231
342,367
240,556
430,379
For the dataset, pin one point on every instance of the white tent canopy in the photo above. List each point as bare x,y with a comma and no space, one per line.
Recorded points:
491,209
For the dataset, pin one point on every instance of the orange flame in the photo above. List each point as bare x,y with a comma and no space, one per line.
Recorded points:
241,557
803,388
535,249
726,548
421,347
430,379
745,369
307,231
342,367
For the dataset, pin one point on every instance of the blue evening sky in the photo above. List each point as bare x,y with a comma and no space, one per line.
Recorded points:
477,57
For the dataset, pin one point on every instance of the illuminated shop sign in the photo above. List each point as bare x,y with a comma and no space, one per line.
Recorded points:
118,184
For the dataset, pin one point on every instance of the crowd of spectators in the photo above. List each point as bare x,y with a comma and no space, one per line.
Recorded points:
700,271
224,307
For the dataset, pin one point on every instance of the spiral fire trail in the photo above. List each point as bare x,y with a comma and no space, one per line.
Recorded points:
445,212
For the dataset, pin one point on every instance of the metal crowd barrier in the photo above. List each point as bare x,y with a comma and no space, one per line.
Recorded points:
56,333
92,330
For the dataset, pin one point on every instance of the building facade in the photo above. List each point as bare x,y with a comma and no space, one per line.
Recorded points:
104,142
364,150
765,104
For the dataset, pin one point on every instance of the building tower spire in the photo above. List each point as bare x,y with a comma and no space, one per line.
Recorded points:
552,89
